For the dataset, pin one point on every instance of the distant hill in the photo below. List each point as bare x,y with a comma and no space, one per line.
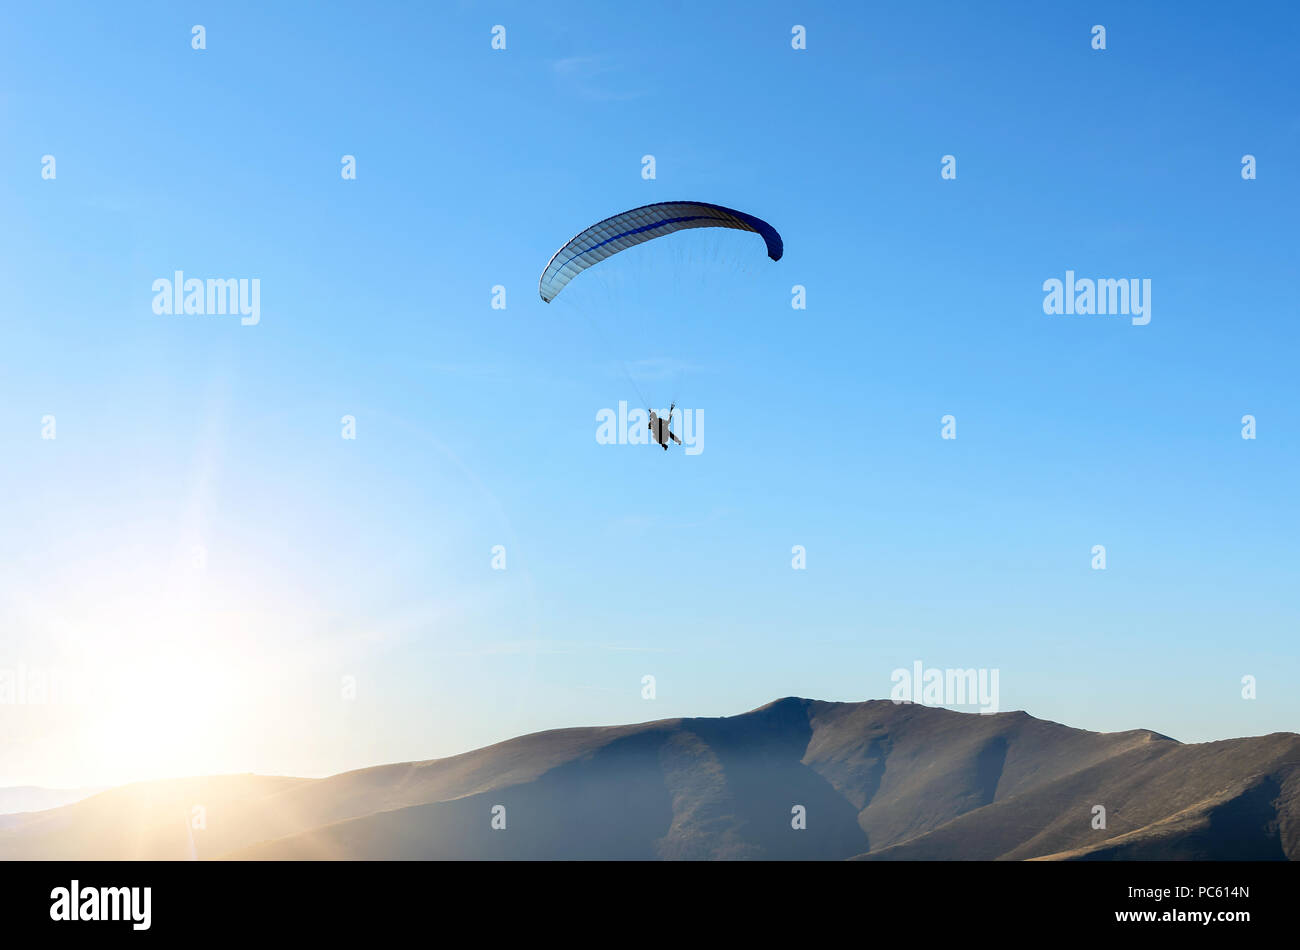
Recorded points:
877,781
20,798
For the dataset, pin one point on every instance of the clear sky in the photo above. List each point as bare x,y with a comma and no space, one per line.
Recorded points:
320,558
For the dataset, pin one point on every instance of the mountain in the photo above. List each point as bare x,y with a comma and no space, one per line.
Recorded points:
20,798
877,781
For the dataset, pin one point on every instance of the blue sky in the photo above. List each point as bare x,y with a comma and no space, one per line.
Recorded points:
370,557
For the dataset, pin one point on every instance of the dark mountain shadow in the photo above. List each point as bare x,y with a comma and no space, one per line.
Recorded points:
761,757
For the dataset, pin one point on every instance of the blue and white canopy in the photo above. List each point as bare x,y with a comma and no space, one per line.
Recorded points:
640,225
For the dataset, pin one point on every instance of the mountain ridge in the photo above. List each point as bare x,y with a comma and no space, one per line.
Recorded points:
875,780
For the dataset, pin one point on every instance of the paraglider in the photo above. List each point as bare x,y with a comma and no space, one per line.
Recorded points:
630,228
606,238
659,430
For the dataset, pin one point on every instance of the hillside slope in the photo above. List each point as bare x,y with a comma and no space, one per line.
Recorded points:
875,780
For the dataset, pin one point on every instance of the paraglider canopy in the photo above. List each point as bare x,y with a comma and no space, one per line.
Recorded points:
608,237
